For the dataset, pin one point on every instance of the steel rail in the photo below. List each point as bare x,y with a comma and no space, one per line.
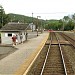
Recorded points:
46,58
69,40
48,54
62,57
68,36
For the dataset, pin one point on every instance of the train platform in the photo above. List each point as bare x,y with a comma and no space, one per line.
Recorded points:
19,62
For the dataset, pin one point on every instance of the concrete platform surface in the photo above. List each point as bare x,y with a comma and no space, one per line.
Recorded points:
17,62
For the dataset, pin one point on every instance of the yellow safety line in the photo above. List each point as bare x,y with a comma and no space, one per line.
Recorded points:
24,68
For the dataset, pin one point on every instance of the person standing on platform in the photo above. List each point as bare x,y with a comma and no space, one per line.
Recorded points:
14,40
21,37
37,32
26,36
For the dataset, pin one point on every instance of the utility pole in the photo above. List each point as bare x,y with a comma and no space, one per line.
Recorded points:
41,26
37,25
32,22
37,20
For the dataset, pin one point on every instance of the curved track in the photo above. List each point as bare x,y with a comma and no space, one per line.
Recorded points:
72,41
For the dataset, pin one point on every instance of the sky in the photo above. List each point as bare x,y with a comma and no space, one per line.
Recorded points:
46,9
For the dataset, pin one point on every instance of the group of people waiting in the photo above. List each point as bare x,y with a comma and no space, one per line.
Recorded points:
15,39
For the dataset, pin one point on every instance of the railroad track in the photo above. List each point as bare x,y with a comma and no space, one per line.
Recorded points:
54,63
71,41
52,60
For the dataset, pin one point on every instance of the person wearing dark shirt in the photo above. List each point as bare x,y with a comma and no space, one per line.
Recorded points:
14,40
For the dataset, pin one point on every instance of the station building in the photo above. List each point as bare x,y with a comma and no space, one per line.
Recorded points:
12,28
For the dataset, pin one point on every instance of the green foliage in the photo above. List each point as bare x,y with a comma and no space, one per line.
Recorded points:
69,26
69,22
73,16
66,18
3,17
66,23
54,24
25,19
19,18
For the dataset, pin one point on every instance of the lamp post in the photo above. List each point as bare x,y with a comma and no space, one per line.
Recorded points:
37,20
37,24
32,22
41,27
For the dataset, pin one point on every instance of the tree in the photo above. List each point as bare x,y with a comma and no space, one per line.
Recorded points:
3,17
73,17
69,25
66,18
60,24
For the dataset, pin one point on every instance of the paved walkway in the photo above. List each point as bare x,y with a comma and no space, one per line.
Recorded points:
17,62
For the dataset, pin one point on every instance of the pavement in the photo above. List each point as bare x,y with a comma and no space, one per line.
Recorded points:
19,62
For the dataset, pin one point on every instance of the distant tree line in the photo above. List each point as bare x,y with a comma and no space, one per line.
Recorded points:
67,23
